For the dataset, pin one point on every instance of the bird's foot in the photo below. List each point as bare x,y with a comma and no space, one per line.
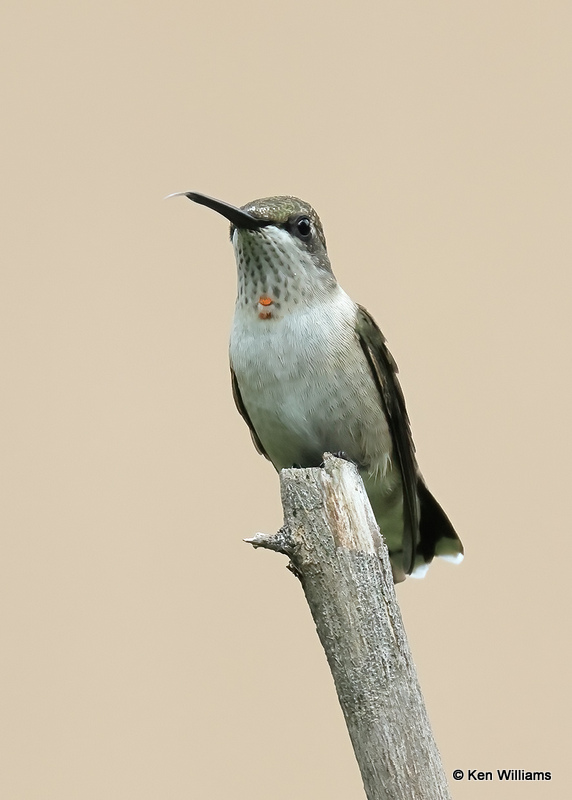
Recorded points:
342,455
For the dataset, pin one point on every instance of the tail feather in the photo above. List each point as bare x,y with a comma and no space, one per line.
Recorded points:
437,537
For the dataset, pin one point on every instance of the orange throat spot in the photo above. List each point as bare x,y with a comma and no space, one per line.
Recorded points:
264,303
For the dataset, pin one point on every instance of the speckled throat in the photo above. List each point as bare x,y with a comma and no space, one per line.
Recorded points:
277,274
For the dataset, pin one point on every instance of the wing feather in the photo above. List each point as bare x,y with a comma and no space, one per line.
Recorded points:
244,414
384,371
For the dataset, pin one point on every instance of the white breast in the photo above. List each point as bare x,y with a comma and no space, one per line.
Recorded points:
306,385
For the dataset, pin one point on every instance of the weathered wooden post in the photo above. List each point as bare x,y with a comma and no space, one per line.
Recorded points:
335,548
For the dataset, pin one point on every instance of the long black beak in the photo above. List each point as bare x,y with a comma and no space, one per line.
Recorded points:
235,215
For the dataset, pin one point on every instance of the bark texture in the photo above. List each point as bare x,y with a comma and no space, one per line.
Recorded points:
335,548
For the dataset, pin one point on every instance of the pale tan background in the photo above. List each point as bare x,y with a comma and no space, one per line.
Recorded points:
146,651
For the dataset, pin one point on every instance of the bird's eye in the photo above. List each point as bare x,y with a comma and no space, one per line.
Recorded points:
303,227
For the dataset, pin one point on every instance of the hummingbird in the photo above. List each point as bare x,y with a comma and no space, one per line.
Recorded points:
311,373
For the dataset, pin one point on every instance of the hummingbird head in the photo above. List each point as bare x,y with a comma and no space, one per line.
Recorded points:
280,249
296,218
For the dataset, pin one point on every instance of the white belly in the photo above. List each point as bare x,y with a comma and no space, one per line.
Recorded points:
307,387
